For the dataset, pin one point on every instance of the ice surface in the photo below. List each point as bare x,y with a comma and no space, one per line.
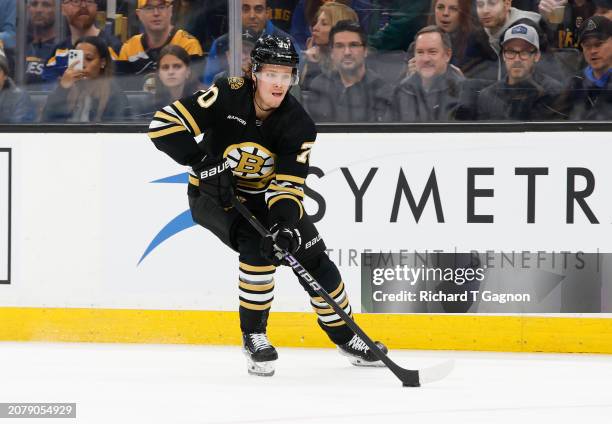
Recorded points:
115,383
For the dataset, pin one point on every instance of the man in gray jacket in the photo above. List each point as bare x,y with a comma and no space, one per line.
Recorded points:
432,93
525,94
352,93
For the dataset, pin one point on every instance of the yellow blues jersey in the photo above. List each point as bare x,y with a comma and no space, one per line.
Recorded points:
136,57
269,158
36,56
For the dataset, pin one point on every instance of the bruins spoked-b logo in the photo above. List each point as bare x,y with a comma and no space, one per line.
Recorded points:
250,160
235,82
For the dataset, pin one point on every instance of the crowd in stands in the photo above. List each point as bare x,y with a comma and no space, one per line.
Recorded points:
361,60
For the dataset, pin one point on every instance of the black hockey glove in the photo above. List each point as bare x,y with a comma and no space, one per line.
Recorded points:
285,238
216,180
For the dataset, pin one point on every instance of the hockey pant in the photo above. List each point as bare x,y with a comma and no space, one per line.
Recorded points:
256,274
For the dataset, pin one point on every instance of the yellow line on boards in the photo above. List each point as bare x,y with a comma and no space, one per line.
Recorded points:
398,331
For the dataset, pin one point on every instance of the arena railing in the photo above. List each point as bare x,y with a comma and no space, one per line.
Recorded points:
463,127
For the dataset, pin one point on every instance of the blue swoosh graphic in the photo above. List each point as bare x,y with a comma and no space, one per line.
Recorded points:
178,224
174,179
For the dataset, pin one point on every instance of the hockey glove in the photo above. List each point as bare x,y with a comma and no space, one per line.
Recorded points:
216,180
285,238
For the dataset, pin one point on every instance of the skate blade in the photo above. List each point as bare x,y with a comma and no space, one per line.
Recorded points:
359,362
261,369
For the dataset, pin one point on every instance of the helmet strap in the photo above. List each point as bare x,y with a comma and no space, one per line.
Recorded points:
259,106
255,98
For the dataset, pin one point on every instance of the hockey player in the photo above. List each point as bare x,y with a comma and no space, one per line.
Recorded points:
257,138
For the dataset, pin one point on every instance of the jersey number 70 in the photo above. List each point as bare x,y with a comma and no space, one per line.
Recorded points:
303,157
209,97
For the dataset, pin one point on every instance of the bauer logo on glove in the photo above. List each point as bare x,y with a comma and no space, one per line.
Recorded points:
216,180
211,172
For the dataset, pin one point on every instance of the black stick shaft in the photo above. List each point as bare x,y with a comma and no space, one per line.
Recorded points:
408,377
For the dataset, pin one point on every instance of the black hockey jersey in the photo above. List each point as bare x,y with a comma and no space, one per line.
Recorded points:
268,158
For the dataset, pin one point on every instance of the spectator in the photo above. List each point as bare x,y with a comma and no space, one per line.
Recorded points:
495,17
603,8
280,13
589,96
351,93
248,42
140,54
41,38
81,17
207,22
175,78
433,93
254,18
15,104
405,20
89,95
8,15
564,34
455,18
304,16
317,55
526,94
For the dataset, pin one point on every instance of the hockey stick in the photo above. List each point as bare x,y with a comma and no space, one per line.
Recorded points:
409,378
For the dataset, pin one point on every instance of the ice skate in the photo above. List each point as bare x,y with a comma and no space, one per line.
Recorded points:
261,355
359,354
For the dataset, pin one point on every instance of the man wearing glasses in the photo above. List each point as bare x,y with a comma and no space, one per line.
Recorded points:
139,55
352,93
525,94
81,18
495,17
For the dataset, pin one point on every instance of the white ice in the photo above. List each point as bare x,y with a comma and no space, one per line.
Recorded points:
115,383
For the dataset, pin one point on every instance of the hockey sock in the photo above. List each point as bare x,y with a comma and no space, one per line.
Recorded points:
329,320
256,289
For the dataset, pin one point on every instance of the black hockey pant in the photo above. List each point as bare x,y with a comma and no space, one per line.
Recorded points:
256,274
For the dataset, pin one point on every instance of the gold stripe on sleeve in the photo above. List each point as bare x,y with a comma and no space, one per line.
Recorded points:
291,178
286,196
167,131
189,117
295,191
167,117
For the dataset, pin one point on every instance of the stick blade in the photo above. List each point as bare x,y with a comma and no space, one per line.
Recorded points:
436,372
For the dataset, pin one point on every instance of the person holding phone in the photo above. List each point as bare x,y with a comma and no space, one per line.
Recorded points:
86,91
81,19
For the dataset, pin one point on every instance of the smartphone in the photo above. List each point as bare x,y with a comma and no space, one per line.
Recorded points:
75,56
